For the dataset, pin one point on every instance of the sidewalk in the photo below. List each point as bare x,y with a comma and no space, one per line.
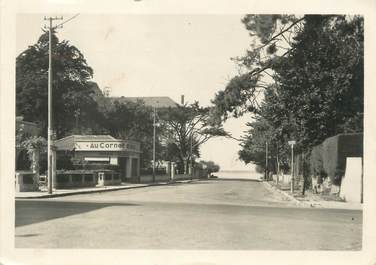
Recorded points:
75,191
310,199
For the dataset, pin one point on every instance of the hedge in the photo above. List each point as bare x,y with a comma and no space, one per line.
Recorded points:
329,158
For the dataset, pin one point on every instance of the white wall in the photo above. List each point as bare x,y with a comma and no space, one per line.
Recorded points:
351,185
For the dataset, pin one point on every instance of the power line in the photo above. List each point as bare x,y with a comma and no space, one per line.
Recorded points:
62,23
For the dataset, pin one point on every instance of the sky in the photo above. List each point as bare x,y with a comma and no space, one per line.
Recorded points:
158,55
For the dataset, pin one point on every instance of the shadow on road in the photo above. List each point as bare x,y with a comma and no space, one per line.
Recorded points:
207,181
27,235
234,179
35,211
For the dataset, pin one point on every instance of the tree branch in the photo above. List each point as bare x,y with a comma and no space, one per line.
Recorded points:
281,33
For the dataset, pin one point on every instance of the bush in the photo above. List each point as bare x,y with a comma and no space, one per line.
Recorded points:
260,169
329,158
64,162
210,166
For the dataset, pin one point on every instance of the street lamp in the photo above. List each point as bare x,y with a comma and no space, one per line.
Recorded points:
291,143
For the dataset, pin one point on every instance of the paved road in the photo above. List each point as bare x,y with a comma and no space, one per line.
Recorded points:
213,214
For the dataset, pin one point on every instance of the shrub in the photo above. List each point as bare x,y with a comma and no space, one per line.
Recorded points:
260,169
329,158
210,166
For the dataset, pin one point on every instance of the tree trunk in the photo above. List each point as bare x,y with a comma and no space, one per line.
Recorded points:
186,167
277,158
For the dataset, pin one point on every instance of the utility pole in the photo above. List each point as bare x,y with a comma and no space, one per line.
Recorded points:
154,125
49,134
277,164
266,161
291,143
50,130
191,156
292,168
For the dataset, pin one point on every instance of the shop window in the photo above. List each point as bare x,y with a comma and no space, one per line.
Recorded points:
62,178
76,178
88,178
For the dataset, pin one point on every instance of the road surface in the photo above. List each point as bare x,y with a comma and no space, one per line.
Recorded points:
211,214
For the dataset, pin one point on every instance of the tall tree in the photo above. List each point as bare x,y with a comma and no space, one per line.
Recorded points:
315,89
134,121
187,127
71,91
272,38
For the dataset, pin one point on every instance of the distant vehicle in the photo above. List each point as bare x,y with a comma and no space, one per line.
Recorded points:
213,176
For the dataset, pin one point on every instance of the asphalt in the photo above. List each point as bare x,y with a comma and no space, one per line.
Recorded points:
212,214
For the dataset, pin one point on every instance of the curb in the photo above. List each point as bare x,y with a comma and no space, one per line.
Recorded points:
45,196
308,204
288,196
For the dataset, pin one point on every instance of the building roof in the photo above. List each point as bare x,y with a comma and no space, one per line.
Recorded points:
157,102
67,143
107,143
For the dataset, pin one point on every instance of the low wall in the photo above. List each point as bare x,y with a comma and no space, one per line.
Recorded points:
282,178
108,178
149,178
164,178
26,181
75,179
184,177
328,159
351,186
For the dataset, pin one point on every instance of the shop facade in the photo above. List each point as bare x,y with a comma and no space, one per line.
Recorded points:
99,153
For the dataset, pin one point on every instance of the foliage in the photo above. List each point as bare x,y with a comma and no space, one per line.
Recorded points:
28,146
187,127
309,70
237,98
72,102
35,143
316,163
210,166
329,158
271,41
134,121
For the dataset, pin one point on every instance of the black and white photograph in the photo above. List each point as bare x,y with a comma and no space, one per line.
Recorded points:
228,132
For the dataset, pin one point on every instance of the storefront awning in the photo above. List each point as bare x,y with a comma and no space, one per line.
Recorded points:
96,143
